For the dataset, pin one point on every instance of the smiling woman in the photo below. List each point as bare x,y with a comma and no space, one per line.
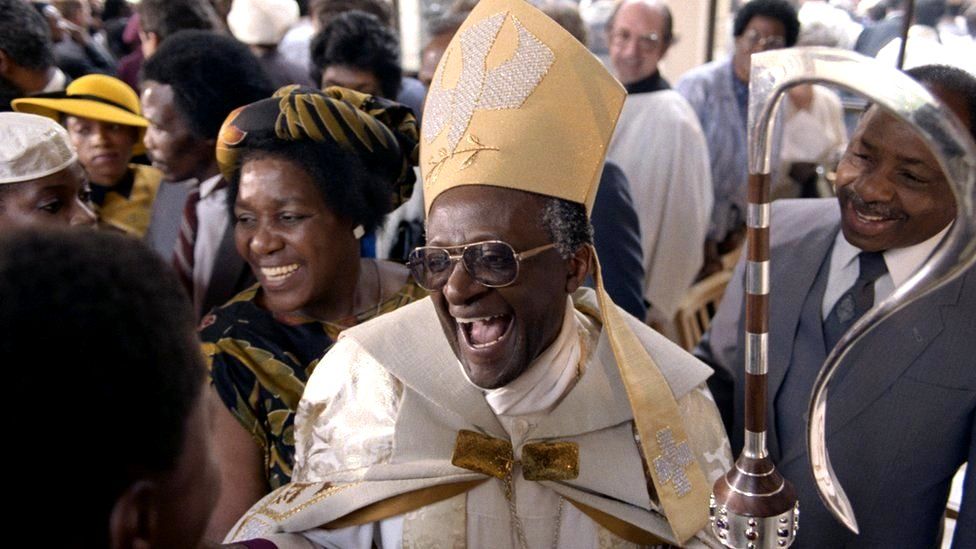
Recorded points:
309,173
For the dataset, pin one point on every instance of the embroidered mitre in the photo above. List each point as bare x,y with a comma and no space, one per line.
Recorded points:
517,102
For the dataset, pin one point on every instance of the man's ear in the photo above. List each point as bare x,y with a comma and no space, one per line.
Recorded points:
132,523
578,267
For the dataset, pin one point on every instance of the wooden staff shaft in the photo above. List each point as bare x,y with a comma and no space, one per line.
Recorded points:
757,313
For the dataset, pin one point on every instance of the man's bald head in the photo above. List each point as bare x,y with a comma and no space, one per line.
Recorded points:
658,6
639,33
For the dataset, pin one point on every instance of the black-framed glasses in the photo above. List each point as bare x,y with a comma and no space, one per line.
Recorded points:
645,42
491,263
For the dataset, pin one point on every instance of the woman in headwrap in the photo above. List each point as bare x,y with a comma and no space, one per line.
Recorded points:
104,121
310,172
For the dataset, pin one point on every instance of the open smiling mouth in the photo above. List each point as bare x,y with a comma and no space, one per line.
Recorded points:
869,217
278,274
485,332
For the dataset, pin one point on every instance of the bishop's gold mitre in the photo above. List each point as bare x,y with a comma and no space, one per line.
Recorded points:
517,102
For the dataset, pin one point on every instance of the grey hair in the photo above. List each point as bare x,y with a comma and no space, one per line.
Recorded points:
567,225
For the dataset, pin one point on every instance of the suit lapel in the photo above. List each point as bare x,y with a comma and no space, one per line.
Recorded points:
876,362
230,274
786,305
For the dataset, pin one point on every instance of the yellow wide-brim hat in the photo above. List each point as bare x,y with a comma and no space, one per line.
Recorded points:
94,96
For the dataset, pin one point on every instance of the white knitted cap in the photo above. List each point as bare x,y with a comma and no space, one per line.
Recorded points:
32,147
262,22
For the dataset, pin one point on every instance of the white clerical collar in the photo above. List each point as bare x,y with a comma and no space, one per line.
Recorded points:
901,262
208,185
550,376
57,82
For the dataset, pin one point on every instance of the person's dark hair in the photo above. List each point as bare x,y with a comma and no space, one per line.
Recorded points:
567,225
359,40
352,189
781,10
114,9
167,17
953,80
99,340
668,21
211,75
928,12
876,12
446,24
567,15
324,11
24,35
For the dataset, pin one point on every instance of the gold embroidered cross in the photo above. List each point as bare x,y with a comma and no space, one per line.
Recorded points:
671,463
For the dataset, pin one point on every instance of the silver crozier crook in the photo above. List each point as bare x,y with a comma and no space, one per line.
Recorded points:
773,73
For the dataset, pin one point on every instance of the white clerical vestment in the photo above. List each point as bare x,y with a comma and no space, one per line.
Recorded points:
659,145
352,416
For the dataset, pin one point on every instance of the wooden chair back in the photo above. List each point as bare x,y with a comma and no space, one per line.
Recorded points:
698,307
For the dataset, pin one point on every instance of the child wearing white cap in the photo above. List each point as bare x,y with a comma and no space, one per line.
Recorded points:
41,181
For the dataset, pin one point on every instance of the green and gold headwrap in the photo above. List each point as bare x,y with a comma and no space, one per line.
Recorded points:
382,133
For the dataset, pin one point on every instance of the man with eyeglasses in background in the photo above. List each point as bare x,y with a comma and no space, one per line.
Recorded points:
719,93
513,408
659,145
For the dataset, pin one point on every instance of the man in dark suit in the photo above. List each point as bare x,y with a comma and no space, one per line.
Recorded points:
901,416
190,85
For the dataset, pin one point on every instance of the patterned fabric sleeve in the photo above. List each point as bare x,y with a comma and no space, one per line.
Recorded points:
234,380
258,379
259,365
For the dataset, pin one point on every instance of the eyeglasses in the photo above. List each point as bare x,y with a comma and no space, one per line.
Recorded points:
491,263
645,42
755,41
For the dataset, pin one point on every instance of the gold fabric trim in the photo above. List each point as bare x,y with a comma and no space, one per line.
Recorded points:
620,528
285,497
397,505
681,486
